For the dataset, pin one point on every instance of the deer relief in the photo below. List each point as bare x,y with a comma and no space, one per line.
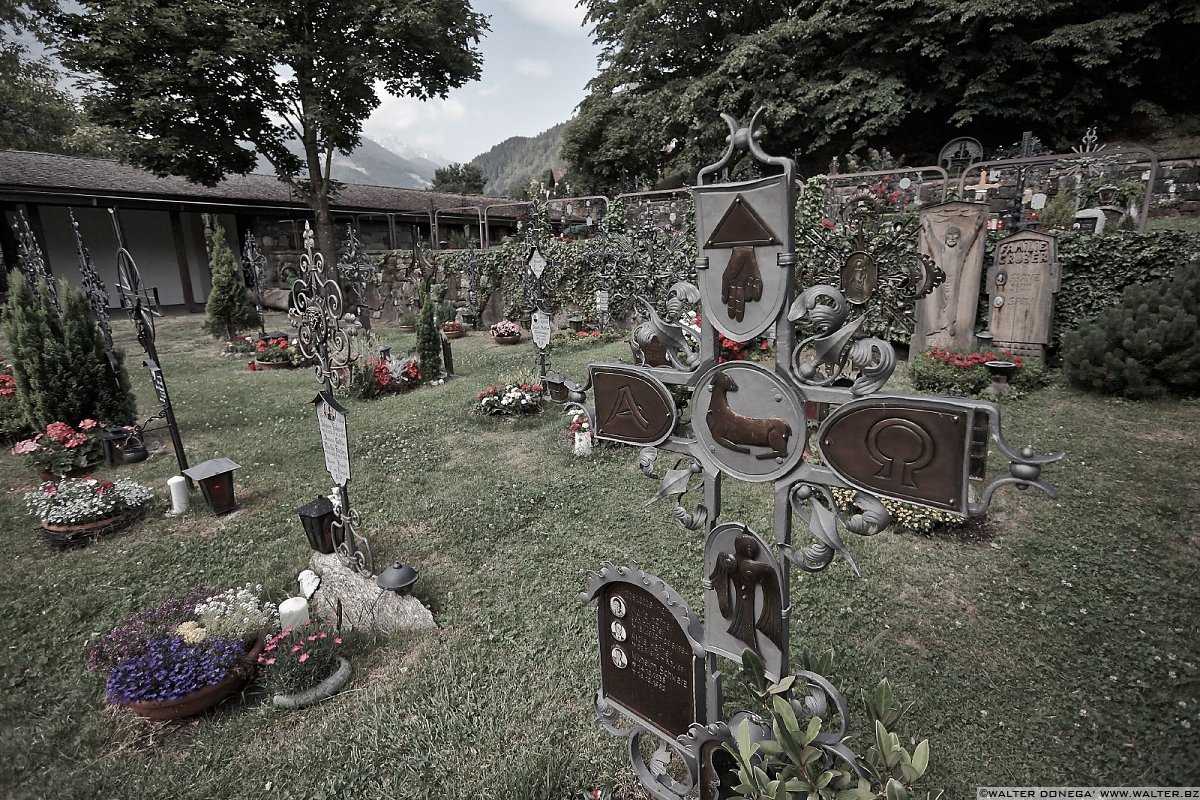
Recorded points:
739,433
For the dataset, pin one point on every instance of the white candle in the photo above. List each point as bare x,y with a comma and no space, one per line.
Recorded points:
180,500
293,613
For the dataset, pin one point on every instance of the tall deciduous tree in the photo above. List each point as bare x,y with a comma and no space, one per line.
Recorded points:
459,179
836,76
206,86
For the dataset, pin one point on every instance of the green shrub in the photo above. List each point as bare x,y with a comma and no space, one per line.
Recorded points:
1147,346
60,369
964,374
429,342
229,307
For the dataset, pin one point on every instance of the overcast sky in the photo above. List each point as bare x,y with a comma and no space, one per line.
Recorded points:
536,61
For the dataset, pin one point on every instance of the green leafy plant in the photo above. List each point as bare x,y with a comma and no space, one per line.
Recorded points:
299,658
429,341
1147,346
795,762
59,365
229,307
964,374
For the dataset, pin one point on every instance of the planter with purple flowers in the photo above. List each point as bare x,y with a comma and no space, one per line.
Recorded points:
186,655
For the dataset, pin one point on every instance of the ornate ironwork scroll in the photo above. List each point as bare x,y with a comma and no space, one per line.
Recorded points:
752,422
318,317
356,268
142,305
95,291
255,262
30,259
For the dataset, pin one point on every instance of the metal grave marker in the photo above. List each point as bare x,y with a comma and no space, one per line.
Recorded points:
331,419
536,262
540,326
749,422
1021,283
602,301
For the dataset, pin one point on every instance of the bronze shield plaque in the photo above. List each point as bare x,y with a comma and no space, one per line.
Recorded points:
631,407
905,448
647,664
742,229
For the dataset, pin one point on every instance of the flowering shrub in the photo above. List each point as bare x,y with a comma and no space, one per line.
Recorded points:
8,386
917,519
240,345
183,644
505,327
949,372
62,448
273,350
236,612
510,400
298,658
79,500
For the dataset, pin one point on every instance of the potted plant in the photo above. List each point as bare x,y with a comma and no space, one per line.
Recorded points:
580,428
510,400
301,666
506,332
407,321
272,353
186,655
453,329
63,450
80,509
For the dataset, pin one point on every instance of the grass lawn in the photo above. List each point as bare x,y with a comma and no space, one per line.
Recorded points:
1056,646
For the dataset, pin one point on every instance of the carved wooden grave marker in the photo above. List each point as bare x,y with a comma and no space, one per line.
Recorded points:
953,235
1021,283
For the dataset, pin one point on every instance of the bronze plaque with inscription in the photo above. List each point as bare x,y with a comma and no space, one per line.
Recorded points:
647,665
904,448
631,407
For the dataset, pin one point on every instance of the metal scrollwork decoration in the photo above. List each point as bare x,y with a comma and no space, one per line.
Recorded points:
254,261
677,338
822,359
816,506
356,268
30,259
870,258
353,549
317,316
96,292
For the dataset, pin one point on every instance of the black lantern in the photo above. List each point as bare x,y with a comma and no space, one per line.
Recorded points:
317,519
215,477
1107,194
398,578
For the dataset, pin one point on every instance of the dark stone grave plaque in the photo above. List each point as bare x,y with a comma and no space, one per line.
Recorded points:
651,662
631,407
905,448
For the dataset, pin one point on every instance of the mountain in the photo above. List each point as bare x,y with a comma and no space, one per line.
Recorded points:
510,165
374,164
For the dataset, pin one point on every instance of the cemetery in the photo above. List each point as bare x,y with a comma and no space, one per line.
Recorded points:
437,601
863,483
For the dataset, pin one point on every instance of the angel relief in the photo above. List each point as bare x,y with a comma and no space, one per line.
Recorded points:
735,578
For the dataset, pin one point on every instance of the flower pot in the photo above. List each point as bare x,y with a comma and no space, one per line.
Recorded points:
83,532
516,337
322,691
258,365
202,700
408,328
457,333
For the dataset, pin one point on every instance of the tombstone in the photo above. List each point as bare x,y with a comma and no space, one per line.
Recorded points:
651,659
953,235
1021,285
1090,220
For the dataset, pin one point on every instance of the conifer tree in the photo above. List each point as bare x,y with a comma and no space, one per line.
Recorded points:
429,343
229,307
59,364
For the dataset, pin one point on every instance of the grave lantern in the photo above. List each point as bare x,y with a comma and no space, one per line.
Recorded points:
983,340
1107,194
398,578
317,520
215,477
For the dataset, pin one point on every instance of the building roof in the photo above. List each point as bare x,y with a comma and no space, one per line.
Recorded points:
66,176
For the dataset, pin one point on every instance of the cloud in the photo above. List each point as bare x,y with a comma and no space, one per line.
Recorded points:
561,15
534,67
